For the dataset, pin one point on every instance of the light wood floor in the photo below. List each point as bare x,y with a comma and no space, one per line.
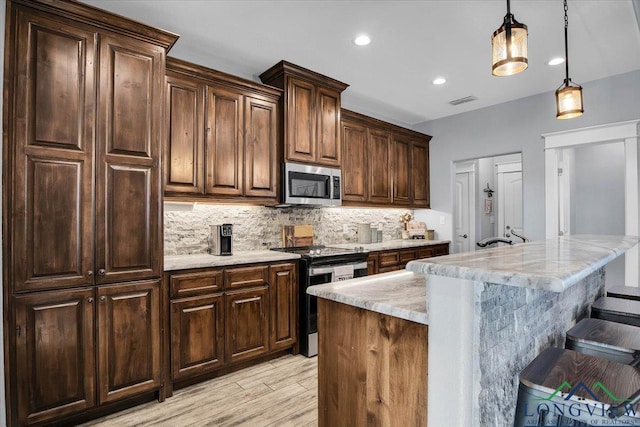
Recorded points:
282,392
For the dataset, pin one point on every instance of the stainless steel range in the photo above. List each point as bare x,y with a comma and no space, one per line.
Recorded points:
318,265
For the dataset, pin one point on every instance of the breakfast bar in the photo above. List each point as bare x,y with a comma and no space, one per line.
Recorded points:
487,314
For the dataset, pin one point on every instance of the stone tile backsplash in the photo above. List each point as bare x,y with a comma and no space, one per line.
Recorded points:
186,226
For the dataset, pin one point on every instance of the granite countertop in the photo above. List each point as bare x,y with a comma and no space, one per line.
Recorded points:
184,262
553,264
391,244
401,294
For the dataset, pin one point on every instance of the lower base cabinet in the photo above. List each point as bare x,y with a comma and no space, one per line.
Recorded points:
393,260
252,313
60,342
247,323
197,335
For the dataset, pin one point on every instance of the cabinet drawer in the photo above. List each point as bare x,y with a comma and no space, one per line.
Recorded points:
408,255
246,276
387,259
426,252
441,250
388,269
187,284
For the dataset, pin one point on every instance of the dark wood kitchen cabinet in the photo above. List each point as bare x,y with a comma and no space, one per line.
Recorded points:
311,119
221,135
82,206
225,317
247,325
54,380
283,292
128,339
383,164
397,259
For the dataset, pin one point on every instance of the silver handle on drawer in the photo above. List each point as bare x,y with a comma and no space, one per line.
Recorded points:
317,271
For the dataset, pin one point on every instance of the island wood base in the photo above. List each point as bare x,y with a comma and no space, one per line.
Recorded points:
372,368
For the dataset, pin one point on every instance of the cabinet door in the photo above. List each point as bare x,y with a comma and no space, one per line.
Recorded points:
184,140
260,148
354,170
129,183
128,339
283,297
401,171
223,149
197,335
372,264
388,259
441,250
51,154
328,139
55,354
420,174
379,166
247,326
300,140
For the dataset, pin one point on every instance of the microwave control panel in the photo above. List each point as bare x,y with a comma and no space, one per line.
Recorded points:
336,187
226,230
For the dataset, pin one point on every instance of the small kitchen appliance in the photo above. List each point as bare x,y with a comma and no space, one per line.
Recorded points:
220,240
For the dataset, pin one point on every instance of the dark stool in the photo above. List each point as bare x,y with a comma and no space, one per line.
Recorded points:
602,338
624,292
617,310
564,387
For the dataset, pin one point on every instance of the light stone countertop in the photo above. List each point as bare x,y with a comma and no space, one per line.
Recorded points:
552,264
401,294
391,244
184,262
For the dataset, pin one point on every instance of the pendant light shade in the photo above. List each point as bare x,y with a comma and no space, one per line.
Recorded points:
509,47
569,94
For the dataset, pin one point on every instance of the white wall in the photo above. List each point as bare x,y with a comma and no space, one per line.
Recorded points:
517,127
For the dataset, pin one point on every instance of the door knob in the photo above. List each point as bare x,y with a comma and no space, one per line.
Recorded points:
101,272
464,236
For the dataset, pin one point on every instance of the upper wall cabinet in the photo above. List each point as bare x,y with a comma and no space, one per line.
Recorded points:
311,114
221,135
383,164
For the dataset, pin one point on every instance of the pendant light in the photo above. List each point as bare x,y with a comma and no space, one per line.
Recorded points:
509,46
569,94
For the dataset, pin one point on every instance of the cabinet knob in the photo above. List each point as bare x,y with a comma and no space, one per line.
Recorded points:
101,272
90,300
103,299
90,273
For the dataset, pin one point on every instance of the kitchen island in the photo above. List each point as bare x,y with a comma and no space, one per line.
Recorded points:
489,313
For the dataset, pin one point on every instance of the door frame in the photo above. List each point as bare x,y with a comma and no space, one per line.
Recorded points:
555,143
468,167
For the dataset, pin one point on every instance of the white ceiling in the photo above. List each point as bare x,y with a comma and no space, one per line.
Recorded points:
412,43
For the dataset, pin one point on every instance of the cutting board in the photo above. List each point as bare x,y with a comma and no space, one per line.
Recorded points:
297,235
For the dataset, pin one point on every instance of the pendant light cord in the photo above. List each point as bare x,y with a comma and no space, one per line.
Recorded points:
566,43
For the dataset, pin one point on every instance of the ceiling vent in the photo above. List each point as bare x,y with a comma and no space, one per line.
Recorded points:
463,100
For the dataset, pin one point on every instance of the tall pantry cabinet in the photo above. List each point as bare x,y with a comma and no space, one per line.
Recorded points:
82,209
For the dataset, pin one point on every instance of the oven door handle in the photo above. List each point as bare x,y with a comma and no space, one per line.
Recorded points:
318,271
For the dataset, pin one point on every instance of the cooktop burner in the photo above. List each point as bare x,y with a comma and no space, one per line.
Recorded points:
319,250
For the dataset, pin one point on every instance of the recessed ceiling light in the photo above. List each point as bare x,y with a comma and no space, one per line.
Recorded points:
362,40
556,61
439,81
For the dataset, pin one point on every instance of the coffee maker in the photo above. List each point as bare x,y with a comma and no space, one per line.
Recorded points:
220,240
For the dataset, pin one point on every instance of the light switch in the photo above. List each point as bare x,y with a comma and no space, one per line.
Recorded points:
345,228
442,219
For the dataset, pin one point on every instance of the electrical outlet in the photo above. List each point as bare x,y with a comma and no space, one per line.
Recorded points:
442,219
345,228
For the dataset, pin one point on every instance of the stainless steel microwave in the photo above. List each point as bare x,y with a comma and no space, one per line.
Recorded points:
311,185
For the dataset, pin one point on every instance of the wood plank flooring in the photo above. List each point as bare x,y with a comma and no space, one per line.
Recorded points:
282,392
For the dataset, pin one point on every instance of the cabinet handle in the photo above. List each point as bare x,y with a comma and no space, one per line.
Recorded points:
90,273
90,300
103,299
101,272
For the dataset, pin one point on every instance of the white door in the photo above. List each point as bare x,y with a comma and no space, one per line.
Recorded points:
463,219
510,218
